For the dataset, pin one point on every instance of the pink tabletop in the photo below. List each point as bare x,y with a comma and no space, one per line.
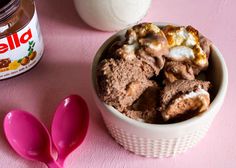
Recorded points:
65,69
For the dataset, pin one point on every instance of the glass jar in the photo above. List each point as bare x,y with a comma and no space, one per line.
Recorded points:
21,43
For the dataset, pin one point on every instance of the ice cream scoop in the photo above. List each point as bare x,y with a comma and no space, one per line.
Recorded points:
183,99
28,137
69,126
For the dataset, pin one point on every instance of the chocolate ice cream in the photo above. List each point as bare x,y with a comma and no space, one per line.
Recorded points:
150,75
121,82
183,96
145,109
147,43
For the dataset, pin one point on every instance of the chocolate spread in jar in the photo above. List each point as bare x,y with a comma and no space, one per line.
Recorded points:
21,44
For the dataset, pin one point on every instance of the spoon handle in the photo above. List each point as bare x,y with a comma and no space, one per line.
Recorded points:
54,164
60,160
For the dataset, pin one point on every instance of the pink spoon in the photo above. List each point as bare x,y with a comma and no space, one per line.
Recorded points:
69,126
28,137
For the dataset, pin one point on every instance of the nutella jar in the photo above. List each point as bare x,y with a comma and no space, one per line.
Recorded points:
21,43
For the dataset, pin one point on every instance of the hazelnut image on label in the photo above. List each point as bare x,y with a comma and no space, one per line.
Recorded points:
32,55
25,61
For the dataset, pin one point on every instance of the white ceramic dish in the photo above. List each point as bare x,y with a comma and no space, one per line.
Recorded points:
155,140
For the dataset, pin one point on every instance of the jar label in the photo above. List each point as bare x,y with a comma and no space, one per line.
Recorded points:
21,51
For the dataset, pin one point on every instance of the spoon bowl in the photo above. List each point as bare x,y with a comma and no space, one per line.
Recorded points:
69,126
28,137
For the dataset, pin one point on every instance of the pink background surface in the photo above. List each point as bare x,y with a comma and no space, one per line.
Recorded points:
65,69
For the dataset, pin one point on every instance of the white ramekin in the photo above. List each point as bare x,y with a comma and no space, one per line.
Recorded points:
155,140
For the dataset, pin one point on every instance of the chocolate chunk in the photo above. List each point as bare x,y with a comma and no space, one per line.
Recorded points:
4,63
146,107
175,70
206,45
